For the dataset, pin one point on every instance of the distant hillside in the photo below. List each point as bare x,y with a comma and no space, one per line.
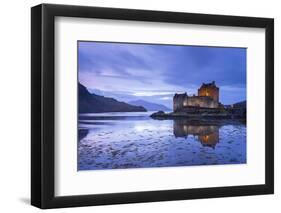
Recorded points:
95,103
149,106
241,104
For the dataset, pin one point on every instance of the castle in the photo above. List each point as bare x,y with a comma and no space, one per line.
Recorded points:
208,97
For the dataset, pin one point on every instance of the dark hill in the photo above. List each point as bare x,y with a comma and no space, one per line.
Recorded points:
241,104
95,103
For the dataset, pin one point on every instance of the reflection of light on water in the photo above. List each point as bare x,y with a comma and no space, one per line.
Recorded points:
113,143
113,114
143,127
140,128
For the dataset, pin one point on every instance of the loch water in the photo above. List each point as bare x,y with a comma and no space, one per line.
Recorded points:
134,140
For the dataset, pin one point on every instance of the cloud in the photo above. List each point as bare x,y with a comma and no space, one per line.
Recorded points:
151,70
152,93
166,98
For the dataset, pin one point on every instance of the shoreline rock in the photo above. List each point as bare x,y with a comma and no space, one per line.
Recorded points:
195,116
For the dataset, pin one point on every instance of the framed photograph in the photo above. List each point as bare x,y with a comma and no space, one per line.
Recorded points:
139,106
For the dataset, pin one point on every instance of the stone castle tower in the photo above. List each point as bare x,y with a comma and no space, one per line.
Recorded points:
210,90
208,97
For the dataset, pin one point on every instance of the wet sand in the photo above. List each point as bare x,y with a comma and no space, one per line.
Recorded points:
112,143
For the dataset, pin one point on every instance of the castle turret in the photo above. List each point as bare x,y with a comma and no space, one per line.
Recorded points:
178,101
210,90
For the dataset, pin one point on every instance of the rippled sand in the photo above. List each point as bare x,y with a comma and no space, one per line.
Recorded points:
142,143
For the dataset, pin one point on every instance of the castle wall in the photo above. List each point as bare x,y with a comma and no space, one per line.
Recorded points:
182,101
200,101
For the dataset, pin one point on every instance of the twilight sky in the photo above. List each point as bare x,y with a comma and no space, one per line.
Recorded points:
155,72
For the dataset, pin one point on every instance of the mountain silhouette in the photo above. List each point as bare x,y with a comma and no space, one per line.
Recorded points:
92,103
149,106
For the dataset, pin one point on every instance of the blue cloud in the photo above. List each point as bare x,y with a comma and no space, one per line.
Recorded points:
140,68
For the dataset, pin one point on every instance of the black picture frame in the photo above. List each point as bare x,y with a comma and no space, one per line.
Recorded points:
43,105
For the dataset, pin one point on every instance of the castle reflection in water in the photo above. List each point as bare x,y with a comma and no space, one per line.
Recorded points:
207,135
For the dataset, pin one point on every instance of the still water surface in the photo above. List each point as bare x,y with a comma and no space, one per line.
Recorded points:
134,140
